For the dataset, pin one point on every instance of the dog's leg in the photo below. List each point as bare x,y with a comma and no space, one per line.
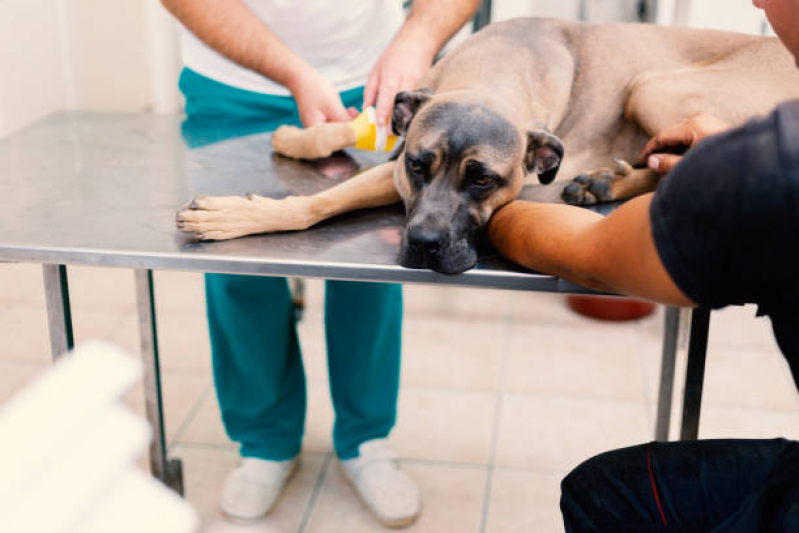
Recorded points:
227,217
609,184
315,142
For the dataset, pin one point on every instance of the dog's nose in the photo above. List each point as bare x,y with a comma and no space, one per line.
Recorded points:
425,239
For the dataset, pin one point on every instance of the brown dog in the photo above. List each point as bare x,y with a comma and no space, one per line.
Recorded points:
527,96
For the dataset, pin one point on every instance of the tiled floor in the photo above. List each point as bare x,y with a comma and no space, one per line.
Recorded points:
502,393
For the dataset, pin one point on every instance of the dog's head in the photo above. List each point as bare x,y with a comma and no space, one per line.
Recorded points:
464,157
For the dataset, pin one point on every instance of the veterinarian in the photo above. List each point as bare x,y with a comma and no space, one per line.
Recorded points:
250,66
720,230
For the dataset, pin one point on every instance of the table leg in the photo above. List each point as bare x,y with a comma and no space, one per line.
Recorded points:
668,361
695,374
168,471
59,314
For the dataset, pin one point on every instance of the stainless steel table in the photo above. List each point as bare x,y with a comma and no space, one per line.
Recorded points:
82,188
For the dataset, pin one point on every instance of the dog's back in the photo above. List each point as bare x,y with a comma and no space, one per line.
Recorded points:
578,79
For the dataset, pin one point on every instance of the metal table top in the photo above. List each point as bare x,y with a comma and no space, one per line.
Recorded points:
102,189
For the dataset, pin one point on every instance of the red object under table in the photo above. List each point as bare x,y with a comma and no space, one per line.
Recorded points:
609,307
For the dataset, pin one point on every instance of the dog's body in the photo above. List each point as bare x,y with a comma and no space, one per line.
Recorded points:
511,101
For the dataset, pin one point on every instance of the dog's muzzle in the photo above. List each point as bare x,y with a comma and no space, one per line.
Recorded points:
424,247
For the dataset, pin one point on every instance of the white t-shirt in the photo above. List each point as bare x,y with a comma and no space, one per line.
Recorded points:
342,39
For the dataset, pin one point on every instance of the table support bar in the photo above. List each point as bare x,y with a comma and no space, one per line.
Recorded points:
695,374
668,362
170,472
59,315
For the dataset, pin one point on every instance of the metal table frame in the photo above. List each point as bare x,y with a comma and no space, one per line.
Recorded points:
170,470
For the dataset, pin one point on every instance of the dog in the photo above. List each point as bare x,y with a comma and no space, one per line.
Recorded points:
526,97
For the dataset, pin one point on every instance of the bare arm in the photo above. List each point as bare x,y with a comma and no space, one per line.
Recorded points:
615,253
233,30
430,24
230,28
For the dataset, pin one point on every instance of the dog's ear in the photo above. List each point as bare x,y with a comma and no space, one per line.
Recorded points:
544,154
406,104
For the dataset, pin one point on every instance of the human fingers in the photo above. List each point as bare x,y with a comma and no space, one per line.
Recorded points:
389,88
680,135
663,163
370,89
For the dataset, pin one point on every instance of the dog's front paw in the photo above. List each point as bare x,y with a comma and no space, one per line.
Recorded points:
596,186
316,142
218,218
292,141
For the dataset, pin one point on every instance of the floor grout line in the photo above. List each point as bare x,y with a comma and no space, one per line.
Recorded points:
498,400
192,414
306,515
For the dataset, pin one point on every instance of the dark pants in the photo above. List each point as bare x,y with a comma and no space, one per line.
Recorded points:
709,486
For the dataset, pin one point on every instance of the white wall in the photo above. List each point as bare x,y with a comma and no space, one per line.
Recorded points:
107,55
33,80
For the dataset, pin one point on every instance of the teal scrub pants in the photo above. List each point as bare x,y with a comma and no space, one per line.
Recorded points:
257,365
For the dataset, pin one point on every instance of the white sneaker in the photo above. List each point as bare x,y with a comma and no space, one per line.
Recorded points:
252,489
387,491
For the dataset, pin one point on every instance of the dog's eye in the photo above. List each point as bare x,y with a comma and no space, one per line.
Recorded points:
415,166
482,181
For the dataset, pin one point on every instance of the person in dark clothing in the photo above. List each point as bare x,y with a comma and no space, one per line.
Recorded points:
720,230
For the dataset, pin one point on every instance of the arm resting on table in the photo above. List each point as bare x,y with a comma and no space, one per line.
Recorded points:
615,253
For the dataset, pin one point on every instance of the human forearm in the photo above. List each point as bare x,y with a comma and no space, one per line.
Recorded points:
230,28
615,253
428,27
546,238
431,23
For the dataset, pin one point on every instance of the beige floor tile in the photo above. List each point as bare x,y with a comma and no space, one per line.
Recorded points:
728,422
557,433
104,288
449,353
21,283
207,427
595,360
180,395
179,291
749,378
183,341
523,501
436,352
456,302
15,376
204,472
737,326
450,426
319,419
24,335
311,331
95,324
452,500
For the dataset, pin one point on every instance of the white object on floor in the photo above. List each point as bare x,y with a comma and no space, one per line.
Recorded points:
67,452
389,493
253,488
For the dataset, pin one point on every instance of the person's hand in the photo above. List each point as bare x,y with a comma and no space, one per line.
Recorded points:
680,136
318,101
400,67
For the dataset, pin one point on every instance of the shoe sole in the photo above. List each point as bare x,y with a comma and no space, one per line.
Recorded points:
243,520
401,522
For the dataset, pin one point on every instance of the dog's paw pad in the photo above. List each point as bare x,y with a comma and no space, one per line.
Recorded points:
595,186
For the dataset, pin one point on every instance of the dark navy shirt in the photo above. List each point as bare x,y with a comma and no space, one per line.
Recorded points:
726,225
726,222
